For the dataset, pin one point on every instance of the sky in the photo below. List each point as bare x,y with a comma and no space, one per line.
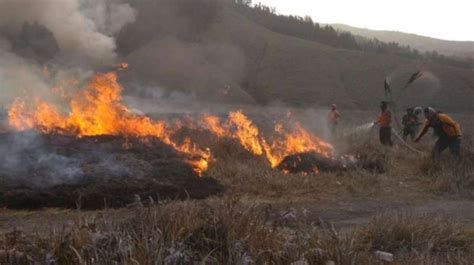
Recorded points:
449,20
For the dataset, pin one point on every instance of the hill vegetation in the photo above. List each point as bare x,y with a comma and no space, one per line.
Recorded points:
305,28
459,49
212,51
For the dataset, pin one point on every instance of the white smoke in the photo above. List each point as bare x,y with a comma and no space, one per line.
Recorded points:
109,16
19,77
84,31
28,162
81,27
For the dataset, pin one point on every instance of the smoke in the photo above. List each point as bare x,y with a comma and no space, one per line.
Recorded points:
84,28
208,70
35,160
109,16
18,76
26,161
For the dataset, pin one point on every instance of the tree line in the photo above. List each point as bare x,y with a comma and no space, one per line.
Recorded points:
306,28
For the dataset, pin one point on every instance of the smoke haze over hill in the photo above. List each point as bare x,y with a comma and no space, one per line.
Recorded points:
209,50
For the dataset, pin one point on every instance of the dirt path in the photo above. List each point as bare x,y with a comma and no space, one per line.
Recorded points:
347,214
343,215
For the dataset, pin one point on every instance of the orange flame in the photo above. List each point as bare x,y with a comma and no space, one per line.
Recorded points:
246,132
98,110
212,123
297,140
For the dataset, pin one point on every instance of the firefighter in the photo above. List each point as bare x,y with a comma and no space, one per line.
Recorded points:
385,125
446,129
410,124
333,119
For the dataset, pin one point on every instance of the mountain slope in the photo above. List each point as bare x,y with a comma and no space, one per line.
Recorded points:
425,44
237,60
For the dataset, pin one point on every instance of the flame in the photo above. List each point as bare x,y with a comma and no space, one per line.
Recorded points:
98,110
285,143
298,140
122,66
213,124
16,116
246,132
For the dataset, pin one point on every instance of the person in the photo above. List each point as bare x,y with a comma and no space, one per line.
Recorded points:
418,111
333,119
410,124
385,125
446,129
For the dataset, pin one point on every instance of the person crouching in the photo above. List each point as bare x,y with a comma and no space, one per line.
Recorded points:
446,129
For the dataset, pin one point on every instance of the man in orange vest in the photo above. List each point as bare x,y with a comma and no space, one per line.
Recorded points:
333,119
385,125
448,132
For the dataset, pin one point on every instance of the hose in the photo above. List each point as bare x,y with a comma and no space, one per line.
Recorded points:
406,144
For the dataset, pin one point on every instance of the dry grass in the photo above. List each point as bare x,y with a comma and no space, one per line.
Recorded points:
228,232
405,175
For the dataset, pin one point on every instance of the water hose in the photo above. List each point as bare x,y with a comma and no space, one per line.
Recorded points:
406,144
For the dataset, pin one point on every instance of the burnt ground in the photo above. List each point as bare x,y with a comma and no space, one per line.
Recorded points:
56,170
310,161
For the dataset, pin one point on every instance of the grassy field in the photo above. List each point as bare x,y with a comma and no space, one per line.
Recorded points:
418,210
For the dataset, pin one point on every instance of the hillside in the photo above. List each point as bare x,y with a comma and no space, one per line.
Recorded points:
421,43
236,60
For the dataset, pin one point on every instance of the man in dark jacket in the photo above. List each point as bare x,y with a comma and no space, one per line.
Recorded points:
410,124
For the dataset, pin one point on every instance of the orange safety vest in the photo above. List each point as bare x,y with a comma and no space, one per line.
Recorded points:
385,119
445,125
334,116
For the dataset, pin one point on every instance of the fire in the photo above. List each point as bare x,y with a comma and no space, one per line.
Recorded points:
98,110
285,143
298,140
122,66
212,123
237,126
246,132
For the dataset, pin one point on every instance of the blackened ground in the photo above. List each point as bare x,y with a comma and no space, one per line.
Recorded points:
108,172
311,162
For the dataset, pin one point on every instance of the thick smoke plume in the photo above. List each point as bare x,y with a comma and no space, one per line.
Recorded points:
47,47
44,42
80,27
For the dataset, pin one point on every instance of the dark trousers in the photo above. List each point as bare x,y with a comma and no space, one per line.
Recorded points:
333,128
409,132
385,136
453,143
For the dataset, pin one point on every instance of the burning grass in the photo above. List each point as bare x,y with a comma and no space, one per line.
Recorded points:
114,154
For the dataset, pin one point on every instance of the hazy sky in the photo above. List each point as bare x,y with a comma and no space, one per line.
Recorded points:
451,19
